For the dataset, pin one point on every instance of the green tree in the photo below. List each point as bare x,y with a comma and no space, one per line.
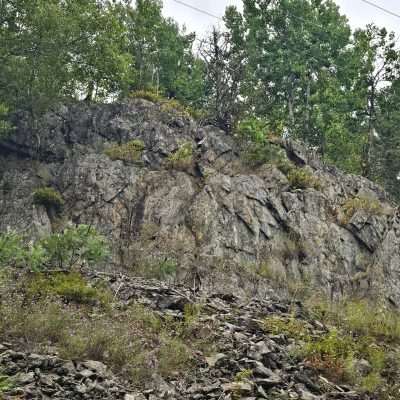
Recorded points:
292,45
164,60
52,50
379,66
223,54
74,246
305,74
386,160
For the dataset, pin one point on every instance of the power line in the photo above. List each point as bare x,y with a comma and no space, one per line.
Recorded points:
381,8
221,19
205,12
198,9
387,11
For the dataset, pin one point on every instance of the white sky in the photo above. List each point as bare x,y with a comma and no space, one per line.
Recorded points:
358,13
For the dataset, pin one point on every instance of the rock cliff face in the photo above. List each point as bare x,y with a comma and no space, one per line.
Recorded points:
214,215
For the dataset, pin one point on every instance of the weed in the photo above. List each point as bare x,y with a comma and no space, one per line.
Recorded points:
81,244
39,323
265,271
74,245
12,252
159,269
243,375
144,320
173,356
285,166
253,129
6,384
291,327
191,315
129,152
167,105
361,318
71,286
149,95
181,158
364,332
353,205
149,231
371,382
366,319
302,178
293,246
99,341
173,105
256,150
49,198
132,340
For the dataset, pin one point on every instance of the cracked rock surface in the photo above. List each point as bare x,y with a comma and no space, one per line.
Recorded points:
212,212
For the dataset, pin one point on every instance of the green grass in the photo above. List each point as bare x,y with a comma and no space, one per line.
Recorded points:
6,384
354,330
357,330
157,269
290,326
302,178
48,197
149,95
181,158
71,287
353,205
168,105
130,151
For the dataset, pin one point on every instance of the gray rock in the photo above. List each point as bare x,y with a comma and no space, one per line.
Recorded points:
138,396
213,217
95,366
25,378
259,350
363,367
86,373
214,359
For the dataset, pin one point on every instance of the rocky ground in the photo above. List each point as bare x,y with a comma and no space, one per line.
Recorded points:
241,345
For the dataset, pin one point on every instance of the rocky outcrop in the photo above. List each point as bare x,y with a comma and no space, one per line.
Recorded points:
211,215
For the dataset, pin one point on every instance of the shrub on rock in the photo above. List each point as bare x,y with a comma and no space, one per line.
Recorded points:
49,198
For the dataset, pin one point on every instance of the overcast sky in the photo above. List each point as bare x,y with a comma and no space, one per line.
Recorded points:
358,13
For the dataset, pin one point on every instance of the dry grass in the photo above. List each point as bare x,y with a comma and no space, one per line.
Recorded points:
181,158
149,95
302,178
130,151
353,205
48,197
133,340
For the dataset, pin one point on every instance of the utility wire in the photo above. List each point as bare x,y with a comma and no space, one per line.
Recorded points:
387,11
198,9
221,19
381,8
